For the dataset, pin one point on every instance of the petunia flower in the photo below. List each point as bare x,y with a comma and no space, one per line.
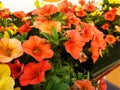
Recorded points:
105,26
90,7
16,69
34,73
19,14
102,84
98,43
6,82
74,45
110,16
46,10
24,28
47,25
10,49
84,85
110,39
38,48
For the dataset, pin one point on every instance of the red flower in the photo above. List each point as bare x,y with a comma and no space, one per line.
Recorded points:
90,7
24,28
16,69
75,44
110,16
84,85
38,48
105,26
102,85
81,13
34,73
19,14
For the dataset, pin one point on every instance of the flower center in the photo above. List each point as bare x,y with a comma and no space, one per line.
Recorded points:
36,50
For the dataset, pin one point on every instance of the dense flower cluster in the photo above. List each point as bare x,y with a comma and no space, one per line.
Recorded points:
41,49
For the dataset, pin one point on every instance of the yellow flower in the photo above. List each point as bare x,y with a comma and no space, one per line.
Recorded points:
17,88
1,5
10,31
6,82
118,11
114,1
10,49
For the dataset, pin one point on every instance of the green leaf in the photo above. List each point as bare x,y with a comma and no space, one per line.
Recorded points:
53,80
47,36
54,34
60,86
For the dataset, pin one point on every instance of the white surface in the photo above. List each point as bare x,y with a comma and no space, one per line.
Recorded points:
26,5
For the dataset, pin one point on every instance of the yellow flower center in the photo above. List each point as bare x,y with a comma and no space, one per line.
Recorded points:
36,50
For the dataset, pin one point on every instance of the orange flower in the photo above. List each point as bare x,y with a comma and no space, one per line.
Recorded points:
34,73
10,49
90,7
105,26
24,28
84,85
82,2
81,13
97,44
47,25
110,16
38,48
4,13
110,39
72,19
64,6
46,10
87,31
19,14
75,41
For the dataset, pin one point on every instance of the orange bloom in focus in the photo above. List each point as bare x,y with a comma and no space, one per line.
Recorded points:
84,85
110,16
110,39
81,13
34,73
24,28
46,10
19,14
72,19
90,7
97,44
47,25
75,44
38,48
105,26
10,49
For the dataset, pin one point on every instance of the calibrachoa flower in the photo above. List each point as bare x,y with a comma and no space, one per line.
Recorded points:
38,48
16,69
34,73
24,28
84,84
10,49
66,34
6,82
